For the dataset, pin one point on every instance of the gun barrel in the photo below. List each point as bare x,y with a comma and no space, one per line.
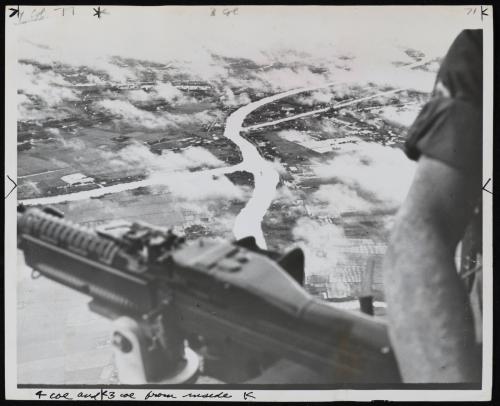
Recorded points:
79,258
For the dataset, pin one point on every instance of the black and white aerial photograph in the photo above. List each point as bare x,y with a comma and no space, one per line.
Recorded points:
239,202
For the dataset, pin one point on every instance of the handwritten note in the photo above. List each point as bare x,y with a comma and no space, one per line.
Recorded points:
13,187
14,12
98,12
232,11
485,186
482,11
36,14
65,9
126,394
24,15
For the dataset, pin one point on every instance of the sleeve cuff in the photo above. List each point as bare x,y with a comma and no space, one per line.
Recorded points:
449,130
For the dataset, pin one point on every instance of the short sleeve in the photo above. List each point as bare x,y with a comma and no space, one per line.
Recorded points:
449,127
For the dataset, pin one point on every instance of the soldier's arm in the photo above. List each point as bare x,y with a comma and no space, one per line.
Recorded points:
430,321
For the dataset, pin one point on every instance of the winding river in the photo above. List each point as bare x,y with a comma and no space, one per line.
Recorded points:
266,178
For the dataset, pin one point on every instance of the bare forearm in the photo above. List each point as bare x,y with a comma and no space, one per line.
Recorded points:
430,320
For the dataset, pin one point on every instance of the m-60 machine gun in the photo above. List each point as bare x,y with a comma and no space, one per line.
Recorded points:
235,307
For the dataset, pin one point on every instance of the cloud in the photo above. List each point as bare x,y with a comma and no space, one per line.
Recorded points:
115,73
330,128
378,173
279,167
336,199
322,245
290,78
94,79
138,95
135,116
201,186
53,131
320,96
46,85
162,91
72,143
139,118
184,33
294,136
139,156
25,107
187,38
201,118
204,67
41,93
231,100
22,99
168,92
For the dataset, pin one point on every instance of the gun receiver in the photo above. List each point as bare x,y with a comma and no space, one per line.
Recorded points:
235,305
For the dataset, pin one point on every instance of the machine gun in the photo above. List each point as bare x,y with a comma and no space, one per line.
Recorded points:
173,302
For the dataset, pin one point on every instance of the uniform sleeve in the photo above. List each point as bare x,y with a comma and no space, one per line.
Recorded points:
449,127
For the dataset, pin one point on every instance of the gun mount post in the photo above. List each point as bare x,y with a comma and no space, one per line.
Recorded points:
138,361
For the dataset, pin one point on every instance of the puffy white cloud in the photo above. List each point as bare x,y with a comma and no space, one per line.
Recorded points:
337,199
24,107
288,78
319,96
330,128
378,172
22,99
322,245
200,156
116,73
72,143
50,88
172,94
201,186
42,95
93,79
294,136
162,91
167,91
53,131
139,118
135,116
139,156
278,166
232,100
138,95
204,67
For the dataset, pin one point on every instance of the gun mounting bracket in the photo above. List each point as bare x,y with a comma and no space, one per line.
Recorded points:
137,364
